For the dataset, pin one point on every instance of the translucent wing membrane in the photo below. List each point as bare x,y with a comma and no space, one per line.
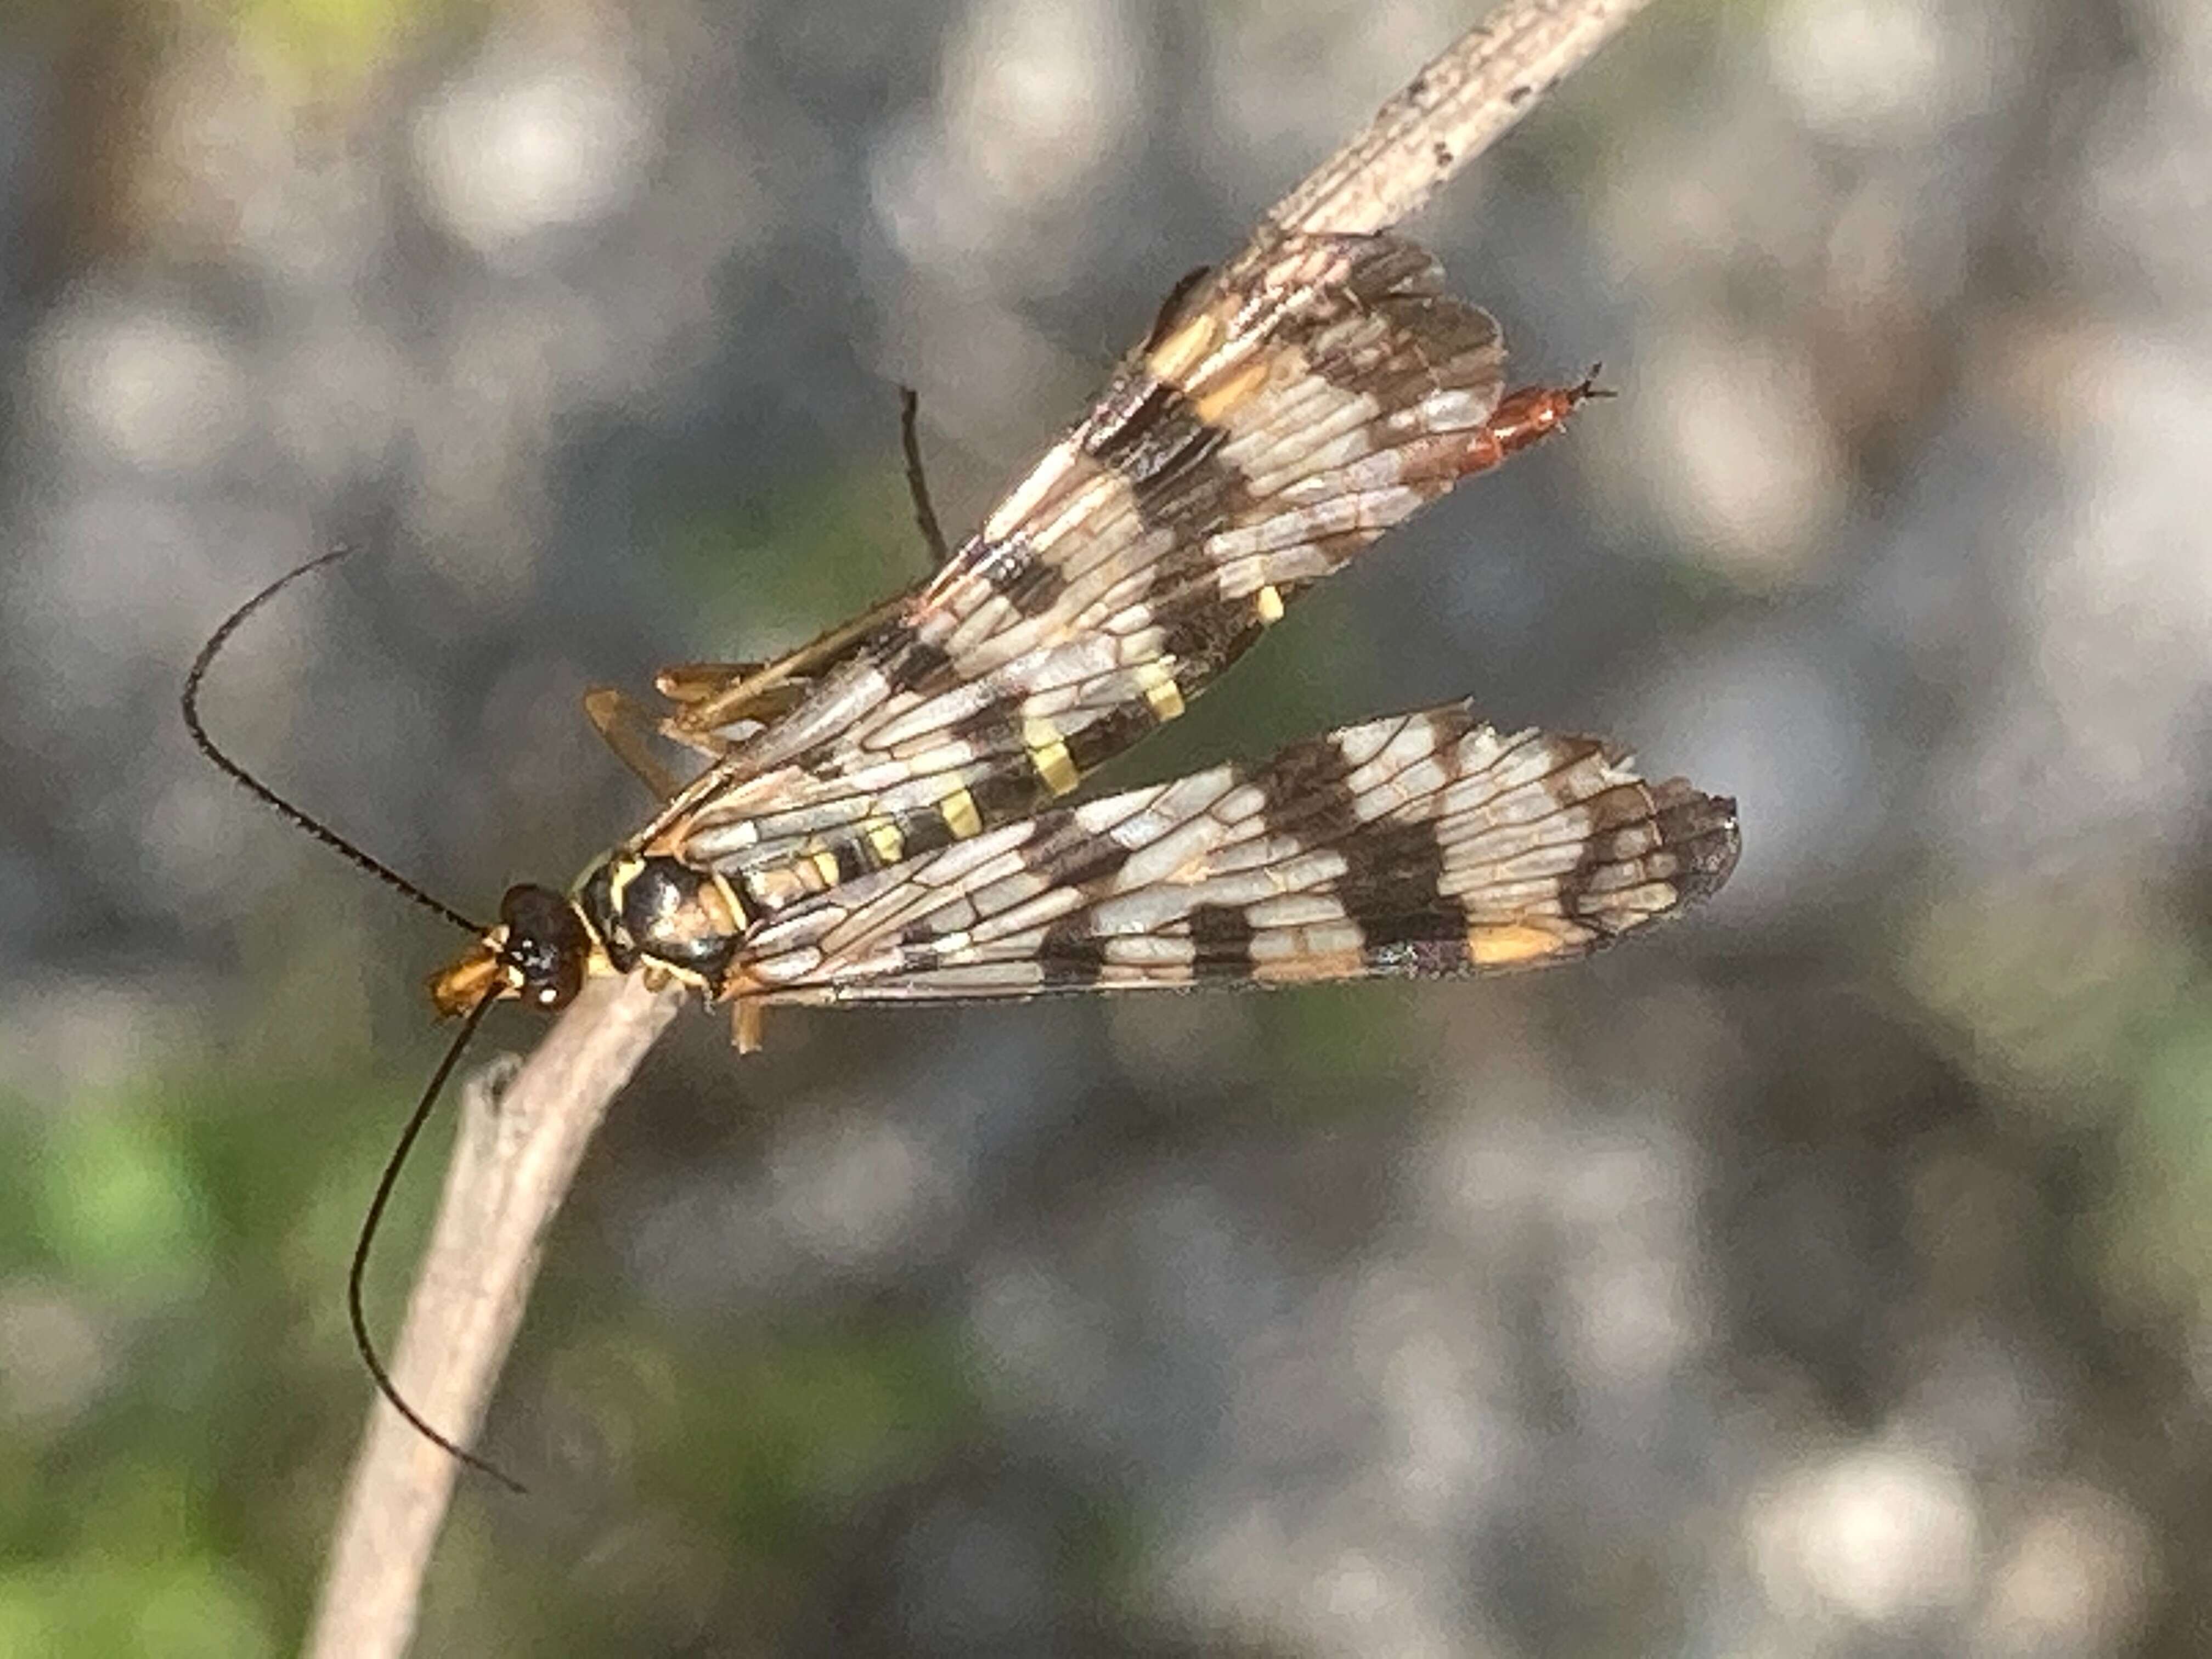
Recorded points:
876,819
1261,437
867,824
1420,845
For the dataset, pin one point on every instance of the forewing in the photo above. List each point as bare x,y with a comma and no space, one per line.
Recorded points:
1420,845
1263,435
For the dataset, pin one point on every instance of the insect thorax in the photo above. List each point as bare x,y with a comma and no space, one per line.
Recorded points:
660,912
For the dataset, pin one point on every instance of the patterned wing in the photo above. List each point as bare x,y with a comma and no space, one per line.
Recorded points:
1416,846
1267,432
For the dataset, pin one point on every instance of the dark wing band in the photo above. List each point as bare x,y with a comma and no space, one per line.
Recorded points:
1259,440
1421,845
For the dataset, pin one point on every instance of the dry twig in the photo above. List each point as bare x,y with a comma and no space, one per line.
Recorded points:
1449,113
512,1162
519,1149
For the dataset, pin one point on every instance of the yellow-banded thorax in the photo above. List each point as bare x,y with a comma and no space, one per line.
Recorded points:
627,912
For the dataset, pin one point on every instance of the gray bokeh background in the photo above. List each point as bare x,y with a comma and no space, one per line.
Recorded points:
1826,1275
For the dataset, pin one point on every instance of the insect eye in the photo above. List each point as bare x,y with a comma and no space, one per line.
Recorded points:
546,945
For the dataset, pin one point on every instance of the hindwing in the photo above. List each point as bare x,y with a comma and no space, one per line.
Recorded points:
1417,846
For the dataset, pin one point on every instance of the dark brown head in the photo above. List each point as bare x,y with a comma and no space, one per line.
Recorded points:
540,952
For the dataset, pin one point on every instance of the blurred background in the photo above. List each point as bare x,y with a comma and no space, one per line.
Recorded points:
1830,1274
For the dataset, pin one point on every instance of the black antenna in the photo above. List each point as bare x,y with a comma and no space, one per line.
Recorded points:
359,1271
391,877
262,792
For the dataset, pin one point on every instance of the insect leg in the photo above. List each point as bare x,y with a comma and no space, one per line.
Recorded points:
917,482
744,696
628,727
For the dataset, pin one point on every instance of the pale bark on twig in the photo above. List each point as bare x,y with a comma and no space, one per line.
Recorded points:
1449,113
519,1148
512,1162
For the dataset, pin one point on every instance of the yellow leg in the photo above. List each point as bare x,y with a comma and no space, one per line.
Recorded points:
746,1019
694,682
736,699
627,727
